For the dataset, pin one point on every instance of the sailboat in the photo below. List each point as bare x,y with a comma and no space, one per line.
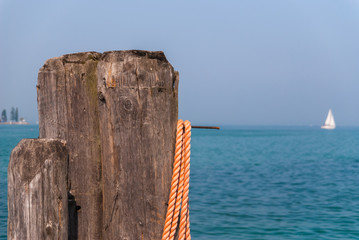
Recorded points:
329,122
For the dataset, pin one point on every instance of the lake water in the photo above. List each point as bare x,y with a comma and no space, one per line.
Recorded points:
258,182
10,135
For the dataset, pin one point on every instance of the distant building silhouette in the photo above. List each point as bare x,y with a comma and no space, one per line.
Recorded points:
3,116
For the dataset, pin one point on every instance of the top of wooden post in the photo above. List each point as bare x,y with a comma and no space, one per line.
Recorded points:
118,112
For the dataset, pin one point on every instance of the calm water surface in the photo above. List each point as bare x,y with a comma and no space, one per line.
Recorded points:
10,135
258,182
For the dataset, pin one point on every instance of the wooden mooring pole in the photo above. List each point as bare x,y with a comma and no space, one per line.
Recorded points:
117,112
37,190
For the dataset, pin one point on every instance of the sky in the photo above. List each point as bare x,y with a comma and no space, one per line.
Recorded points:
241,62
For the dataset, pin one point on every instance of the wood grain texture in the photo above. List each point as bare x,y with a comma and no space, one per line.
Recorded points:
68,109
37,190
118,113
138,110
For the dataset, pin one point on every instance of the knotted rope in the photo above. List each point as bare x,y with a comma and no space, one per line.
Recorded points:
179,186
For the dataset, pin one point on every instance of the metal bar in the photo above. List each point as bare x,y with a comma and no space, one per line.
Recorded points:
206,127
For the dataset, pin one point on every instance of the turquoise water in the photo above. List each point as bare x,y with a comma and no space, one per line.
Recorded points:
258,182
10,135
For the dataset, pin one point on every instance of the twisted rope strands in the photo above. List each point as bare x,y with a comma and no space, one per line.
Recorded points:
188,234
187,153
179,198
179,186
174,183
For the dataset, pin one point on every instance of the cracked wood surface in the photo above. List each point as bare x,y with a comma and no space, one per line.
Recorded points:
37,190
68,109
118,113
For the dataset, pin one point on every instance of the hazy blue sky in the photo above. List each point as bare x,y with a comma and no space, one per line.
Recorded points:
240,62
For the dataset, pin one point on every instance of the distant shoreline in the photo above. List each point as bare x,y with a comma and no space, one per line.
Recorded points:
14,123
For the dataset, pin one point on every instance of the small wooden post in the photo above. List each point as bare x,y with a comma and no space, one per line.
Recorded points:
118,112
37,192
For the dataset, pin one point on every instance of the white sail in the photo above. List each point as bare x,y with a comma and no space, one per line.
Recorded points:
329,122
332,122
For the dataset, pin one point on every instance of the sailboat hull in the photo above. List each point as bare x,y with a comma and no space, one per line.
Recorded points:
328,127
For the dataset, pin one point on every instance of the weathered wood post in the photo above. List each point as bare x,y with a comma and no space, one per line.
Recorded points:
138,111
117,112
37,193
68,109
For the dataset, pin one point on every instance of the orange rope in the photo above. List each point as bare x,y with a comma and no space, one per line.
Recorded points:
179,186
